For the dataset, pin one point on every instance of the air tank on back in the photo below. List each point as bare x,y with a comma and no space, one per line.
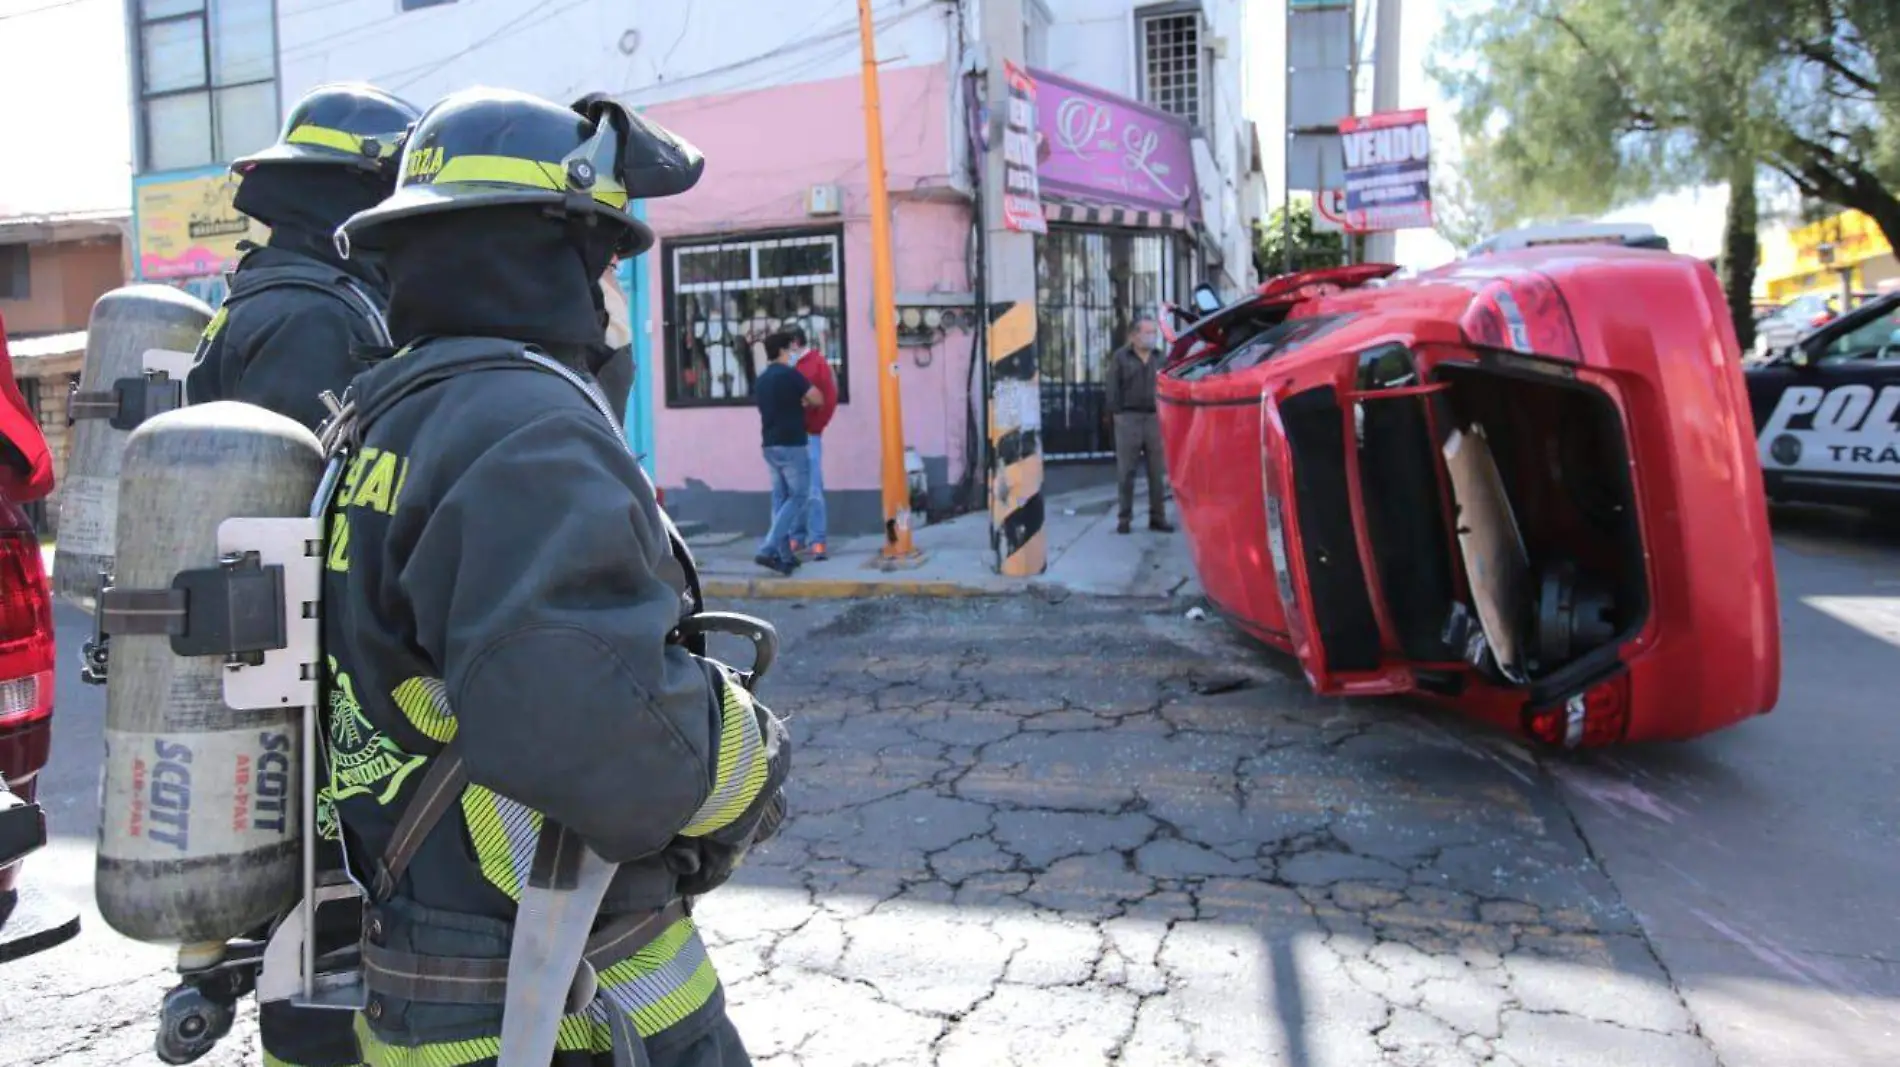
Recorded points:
200,834
126,323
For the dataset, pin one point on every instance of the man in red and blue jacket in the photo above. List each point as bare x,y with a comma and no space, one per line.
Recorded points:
817,370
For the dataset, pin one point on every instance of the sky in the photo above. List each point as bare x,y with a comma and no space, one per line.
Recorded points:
66,126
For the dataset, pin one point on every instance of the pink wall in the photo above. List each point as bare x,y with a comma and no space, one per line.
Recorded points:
764,150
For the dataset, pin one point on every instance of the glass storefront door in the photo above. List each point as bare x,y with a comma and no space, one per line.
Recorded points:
1090,285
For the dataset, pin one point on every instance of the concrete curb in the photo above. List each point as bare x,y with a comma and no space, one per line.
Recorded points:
847,589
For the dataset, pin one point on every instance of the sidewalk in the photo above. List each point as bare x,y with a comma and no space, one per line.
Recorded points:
1086,557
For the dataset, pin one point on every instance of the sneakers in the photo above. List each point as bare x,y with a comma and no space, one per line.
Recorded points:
773,563
1161,526
818,550
1121,527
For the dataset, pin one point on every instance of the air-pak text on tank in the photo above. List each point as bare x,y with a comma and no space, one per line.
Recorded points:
374,480
170,798
241,794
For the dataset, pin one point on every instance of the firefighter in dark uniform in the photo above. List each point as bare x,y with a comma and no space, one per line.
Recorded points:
295,322
299,316
507,612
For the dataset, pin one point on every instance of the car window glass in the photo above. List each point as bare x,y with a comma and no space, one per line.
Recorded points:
1877,339
1272,342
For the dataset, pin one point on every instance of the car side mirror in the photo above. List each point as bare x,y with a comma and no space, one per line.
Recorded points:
1206,300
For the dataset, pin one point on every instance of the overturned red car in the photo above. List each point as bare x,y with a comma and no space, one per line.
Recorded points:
1524,485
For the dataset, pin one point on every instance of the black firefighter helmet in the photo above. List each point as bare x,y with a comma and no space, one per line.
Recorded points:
350,125
482,148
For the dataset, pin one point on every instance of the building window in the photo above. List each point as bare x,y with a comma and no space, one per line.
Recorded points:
207,80
16,272
724,296
1172,71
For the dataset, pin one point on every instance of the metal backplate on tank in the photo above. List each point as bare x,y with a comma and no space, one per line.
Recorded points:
170,362
282,975
287,678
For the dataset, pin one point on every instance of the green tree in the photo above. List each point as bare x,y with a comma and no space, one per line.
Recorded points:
1595,101
1464,209
1312,248
1581,105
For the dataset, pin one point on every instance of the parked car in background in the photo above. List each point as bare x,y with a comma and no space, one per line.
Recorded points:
1522,485
1827,411
1780,329
28,923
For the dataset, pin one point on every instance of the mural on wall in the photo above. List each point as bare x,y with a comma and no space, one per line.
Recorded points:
1094,144
189,229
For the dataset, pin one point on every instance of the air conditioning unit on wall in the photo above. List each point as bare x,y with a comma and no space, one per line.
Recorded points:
824,200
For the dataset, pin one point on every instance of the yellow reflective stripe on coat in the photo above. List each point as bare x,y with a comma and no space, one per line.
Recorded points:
576,1035
425,702
663,983
657,988
511,170
741,771
504,834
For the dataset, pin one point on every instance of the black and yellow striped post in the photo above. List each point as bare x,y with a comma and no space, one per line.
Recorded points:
1016,534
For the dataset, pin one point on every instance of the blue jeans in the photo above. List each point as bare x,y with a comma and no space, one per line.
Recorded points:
790,467
811,529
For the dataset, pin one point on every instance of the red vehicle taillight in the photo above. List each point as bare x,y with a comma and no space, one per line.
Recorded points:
1597,716
26,632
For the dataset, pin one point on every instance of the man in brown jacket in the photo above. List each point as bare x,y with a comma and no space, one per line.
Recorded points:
1131,404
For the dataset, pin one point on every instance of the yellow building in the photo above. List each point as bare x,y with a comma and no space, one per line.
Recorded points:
1793,262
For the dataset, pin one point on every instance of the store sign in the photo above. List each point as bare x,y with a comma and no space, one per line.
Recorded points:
188,226
1098,145
1022,192
1388,171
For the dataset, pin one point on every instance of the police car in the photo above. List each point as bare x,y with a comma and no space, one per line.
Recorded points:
1827,411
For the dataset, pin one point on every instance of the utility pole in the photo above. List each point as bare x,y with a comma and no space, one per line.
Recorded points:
1017,540
884,308
1383,247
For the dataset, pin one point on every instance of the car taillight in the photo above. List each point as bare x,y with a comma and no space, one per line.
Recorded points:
1600,715
26,631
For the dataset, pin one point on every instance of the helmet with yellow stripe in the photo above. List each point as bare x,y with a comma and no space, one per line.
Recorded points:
351,125
482,148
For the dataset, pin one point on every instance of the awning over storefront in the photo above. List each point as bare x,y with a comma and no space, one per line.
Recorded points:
1076,213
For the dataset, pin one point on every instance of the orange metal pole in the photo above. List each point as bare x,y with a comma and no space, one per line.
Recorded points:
884,306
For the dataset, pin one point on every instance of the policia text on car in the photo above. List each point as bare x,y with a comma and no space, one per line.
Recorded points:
526,756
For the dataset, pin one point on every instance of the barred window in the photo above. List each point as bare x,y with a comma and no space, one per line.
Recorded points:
724,296
1171,67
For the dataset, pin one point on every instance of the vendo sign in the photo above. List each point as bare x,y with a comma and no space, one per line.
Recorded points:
1388,171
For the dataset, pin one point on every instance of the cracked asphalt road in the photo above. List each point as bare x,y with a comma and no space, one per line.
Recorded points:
1021,833
1021,836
